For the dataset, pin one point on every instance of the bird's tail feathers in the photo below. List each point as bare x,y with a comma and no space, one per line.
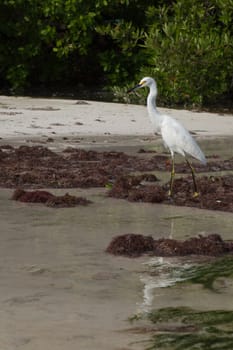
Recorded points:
198,154
203,159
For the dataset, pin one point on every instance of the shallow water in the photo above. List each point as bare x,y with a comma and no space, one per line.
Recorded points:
59,289
186,305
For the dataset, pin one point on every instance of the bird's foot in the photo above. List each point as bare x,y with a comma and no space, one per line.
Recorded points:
196,194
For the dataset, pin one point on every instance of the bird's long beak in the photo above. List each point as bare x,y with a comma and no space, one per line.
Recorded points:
134,88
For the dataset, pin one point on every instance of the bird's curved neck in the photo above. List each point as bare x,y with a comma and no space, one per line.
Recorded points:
154,114
151,98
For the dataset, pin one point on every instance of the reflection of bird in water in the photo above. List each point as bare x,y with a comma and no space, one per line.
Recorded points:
172,229
175,137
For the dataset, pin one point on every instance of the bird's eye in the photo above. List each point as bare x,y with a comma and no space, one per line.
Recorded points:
142,82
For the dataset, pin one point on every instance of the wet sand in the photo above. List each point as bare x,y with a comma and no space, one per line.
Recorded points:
59,289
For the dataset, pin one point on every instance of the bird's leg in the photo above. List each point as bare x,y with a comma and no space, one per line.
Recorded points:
195,193
171,177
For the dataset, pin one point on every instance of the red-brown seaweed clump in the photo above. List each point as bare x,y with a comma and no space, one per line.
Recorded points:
132,245
49,199
129,175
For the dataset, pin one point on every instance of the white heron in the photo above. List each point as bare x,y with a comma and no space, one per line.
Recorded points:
175,137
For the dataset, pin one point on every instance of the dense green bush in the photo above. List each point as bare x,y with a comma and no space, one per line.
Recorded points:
191,50
69,41
45,41
186,45
123,28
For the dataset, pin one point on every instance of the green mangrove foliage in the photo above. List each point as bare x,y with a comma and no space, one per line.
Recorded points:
46,41
191,50
186,45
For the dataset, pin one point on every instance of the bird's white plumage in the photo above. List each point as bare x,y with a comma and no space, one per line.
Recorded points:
175,137
179,140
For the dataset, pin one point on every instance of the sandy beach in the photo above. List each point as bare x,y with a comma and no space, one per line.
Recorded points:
23,117
59,288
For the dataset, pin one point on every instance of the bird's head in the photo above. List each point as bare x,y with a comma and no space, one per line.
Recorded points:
147,81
